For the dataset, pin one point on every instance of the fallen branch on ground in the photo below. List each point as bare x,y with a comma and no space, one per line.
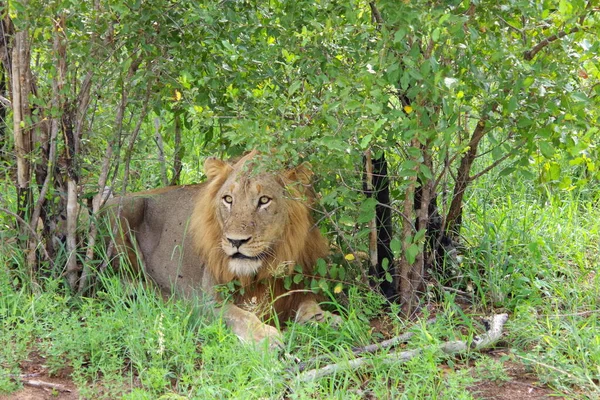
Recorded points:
45,385
479,342
387,344
371,348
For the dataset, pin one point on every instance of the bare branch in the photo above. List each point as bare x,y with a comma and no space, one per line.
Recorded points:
529,54
486,340
45,385
497,162
161,151
376,14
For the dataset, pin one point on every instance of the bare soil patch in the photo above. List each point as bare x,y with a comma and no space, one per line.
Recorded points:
39,385
522,384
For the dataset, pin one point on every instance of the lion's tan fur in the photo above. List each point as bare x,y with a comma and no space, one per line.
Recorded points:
301,244
178,236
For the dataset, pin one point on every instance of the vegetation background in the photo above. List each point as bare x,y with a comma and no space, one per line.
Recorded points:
481,116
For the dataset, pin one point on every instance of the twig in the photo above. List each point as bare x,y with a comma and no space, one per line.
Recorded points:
529,54
161,152
356,259
45,385
387,344
478,343
368,349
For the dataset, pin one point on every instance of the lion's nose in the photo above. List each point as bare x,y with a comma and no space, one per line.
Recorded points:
237,243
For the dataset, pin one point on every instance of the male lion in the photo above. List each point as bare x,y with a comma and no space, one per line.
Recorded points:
242,225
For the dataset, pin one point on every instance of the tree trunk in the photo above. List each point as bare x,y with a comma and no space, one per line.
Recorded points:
20,85
377,185
178,151
454,217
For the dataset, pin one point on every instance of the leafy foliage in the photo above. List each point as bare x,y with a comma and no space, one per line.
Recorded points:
449,91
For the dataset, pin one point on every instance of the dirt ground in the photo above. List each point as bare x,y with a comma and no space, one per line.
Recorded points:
38,385
522,385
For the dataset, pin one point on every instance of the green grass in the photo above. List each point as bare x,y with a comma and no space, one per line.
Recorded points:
530,255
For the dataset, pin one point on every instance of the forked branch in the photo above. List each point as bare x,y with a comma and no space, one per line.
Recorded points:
453,347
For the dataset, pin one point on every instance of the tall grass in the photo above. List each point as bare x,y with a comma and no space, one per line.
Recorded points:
527,253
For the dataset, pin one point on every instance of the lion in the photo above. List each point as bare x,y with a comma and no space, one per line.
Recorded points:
243,227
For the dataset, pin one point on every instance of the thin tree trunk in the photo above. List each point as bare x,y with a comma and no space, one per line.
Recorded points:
426,192
454,216
21,131
382,265
373,222
178,151
411,274
161,152
72,211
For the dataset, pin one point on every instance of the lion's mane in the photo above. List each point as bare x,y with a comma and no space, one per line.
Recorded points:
301,244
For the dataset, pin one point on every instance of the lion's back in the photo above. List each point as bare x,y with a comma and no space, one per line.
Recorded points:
160,220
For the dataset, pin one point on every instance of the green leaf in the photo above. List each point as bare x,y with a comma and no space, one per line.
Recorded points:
365,142
546,149
367,210
396,247
294,87
411,253
512,105
435,35
399,35
419,235
425,172
321,267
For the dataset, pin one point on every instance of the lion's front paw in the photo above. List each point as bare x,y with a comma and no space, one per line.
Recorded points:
270,334
311,312
327,317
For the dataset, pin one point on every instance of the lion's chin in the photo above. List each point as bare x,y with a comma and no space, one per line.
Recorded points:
244,266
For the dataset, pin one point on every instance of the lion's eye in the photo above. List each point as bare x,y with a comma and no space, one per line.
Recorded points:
228,199
264,200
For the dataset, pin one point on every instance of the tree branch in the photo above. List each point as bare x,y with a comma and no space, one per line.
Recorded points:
529,54
497,162
479,342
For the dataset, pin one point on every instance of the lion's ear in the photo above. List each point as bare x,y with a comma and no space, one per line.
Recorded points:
214,167
302,173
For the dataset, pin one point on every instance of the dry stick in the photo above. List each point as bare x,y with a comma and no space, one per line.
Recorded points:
161,152
368,349
478,343
387,344
45,385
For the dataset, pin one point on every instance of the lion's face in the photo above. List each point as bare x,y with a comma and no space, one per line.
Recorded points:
252,212
250,224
